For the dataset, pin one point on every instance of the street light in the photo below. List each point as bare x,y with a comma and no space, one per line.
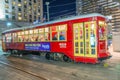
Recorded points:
47,4
9,24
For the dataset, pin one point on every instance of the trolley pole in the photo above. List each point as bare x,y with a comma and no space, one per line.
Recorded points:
47,4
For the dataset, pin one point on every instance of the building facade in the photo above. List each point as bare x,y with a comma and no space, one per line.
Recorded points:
23,10
95,6
2,12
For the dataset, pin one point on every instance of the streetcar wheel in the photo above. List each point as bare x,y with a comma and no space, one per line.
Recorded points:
47,56
9,52
65,58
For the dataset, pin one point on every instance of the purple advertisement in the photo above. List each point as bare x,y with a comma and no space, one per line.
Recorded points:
41,46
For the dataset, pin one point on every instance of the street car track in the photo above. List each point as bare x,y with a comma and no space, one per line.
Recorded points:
30,73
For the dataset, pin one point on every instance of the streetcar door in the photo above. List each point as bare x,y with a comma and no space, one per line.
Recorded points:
78,39
3,43
85,39
90,39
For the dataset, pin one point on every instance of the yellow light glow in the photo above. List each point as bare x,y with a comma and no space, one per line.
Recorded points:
19,18
19,4
19,14
13,3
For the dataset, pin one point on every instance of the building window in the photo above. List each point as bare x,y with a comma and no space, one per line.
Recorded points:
25,2
19,5
30,16
35,17
25,6
34,1
19,18
19,0
13,17
13,7
6,1
19,14
38,14
6,6
38,10
30,20
19,9
30,3
7,17
6,11
13,3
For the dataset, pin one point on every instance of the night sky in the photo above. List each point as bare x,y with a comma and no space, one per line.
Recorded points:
60,8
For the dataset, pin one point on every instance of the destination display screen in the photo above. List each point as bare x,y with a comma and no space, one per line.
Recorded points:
42,46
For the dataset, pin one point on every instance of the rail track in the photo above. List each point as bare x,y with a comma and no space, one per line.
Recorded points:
30,73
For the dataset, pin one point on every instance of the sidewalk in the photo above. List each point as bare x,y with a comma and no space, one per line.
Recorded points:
115,59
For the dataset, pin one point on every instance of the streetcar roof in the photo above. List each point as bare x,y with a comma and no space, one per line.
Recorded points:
55,21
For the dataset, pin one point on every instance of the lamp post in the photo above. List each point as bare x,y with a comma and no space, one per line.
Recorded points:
47,4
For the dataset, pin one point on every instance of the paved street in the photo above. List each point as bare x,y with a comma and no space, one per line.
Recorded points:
55,70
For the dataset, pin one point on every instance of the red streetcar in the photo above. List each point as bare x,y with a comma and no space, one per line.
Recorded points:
79,38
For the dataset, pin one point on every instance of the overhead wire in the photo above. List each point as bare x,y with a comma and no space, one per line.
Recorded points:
52,1
62,5
62,11
64,15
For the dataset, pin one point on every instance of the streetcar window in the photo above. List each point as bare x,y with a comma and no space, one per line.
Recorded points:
26,39
59,32
62,32
76,44
62,35
31,38
81,50
26,32
20,39
41,37
14,37
47,34
102,30
93,51
8,37
46,29
35,37
54,36
54,28
3,38
35,31
41,30
31,31
76,50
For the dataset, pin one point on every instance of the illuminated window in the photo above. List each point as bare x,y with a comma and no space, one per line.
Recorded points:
25,2
19,5
102,30
19,18
62,32
31,31
13,3
41,36
36,31
47,34
6,6
19,14
38,13
59,32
